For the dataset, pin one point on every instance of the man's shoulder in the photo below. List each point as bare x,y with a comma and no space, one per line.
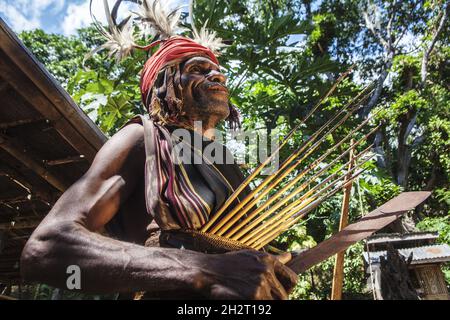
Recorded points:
130,136
123,153
132,132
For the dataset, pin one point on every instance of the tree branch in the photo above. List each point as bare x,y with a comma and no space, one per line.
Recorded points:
427,51
372,28
388,58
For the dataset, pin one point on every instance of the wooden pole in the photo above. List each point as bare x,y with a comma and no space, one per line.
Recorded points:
338,272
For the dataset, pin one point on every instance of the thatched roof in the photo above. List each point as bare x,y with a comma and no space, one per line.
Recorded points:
46,144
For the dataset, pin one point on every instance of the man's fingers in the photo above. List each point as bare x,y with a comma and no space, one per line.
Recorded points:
277,290
284,257
222,293
286,276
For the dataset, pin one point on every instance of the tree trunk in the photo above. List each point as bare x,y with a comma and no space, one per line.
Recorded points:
404,150
396,283
380,83
433,176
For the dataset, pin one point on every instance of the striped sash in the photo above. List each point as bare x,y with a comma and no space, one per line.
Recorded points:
180,195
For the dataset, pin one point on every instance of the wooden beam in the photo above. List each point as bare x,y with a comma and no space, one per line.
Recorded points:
28,216
74,125
20,238
12,124
9,202
10,276
28,90
15,200
338,272
19,152
37,191
67,160
32,223
8,263
3,238
24,216
12,233
11,257
22,185
359,230
3,85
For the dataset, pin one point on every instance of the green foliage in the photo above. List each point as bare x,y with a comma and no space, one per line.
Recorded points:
110,97
417,120
46,292
283,55
315,284
378,188
439,224
295,238
62,56
108,92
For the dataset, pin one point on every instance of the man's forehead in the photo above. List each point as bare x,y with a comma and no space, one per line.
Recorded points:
200,60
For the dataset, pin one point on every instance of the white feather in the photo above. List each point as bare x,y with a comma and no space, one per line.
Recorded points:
208,39
120,42
205,37
158,18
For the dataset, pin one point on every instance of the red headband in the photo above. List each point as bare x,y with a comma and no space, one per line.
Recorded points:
170,51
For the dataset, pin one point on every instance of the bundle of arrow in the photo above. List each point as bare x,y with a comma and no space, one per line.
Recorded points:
283,198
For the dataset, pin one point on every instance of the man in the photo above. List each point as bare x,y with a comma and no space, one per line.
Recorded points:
180,84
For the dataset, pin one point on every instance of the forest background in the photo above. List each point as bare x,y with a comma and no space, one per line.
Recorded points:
282,56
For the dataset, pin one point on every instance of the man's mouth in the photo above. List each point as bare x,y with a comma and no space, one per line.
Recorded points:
217,88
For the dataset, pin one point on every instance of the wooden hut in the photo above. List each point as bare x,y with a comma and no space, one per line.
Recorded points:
46,144
424,270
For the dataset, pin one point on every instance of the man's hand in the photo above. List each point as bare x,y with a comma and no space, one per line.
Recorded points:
248,274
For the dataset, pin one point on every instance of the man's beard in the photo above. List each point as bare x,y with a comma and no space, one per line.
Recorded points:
208,104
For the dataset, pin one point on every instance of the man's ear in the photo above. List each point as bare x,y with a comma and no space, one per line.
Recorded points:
233,117
177,83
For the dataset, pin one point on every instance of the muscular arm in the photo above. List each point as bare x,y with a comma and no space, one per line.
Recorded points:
67,237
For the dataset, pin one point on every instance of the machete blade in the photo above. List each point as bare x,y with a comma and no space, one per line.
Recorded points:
363,228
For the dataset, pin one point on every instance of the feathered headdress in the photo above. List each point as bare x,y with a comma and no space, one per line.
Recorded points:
158,25
154,21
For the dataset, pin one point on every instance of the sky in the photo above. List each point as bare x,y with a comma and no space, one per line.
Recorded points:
53,16
65,16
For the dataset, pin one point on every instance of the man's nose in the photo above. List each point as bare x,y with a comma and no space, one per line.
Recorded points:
217,76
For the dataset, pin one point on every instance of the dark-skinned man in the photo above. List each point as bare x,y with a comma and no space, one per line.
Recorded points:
134,180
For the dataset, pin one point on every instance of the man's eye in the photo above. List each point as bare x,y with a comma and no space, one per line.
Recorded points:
195,69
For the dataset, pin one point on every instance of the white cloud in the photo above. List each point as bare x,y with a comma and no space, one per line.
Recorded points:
16,20
61,16
28,14
78,16
410,41
37,7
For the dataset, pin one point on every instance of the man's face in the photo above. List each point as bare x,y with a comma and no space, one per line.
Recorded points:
204,90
